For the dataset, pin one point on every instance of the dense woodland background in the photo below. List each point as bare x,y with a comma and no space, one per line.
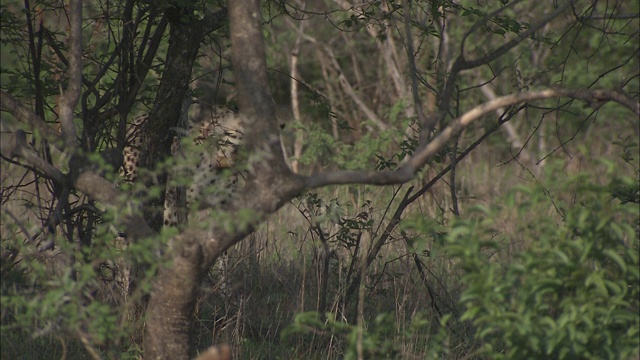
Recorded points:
518,239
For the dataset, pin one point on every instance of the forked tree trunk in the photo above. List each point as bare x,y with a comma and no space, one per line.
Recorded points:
270,183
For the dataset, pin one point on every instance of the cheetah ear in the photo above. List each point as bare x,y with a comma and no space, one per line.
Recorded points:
219,352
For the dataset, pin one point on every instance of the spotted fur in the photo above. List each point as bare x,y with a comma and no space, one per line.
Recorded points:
211,147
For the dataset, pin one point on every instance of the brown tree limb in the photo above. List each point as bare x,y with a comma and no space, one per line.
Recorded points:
407,170
344,82
69,98
17,147
32,121
461,63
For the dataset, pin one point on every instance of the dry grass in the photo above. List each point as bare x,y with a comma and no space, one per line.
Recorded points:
276,273
255,291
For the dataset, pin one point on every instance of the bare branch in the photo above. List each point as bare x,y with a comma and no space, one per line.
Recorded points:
400,176
407,170
386,47
420,159
17,147
35,124
346,85
295,102
461,63
524,35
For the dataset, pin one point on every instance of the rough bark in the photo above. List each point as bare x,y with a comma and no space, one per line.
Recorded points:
270,185
166,332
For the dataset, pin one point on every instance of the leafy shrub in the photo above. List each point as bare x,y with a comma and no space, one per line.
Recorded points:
572,292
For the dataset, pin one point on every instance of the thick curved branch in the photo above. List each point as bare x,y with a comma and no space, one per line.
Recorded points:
407,170
461,63
418,160
83,178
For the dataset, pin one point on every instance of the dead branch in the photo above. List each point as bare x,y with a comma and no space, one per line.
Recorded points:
17,147
408,169
32,121
344,82
461,63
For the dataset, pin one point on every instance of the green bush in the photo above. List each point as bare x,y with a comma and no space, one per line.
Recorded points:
571,291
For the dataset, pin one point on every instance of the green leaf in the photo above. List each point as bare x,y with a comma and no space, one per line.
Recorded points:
613,255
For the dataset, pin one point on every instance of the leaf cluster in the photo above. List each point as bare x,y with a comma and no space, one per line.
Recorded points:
572,293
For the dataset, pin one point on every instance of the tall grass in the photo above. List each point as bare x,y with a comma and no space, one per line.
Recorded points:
301,261
276,274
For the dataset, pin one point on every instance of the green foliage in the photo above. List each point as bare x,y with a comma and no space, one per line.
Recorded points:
572,293
629,145
321,147
505,24
67,294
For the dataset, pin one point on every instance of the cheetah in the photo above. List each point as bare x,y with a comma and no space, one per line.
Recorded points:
211,146
202,151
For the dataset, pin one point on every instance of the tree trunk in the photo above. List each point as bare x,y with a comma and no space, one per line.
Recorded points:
270,183
172,303
167,325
